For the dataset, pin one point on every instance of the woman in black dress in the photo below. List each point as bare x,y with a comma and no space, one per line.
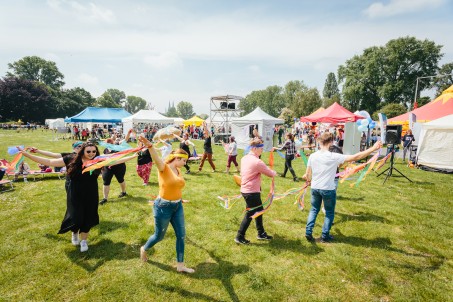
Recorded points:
82,192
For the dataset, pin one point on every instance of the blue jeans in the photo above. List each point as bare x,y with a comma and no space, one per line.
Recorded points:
329,197
166,212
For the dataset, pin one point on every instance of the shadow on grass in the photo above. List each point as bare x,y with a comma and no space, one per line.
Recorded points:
386,244
109,226
279,244
184,293
127,198
100,253
340,197
360,216
222,270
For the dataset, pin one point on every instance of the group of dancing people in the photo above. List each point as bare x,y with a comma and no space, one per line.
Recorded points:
83,197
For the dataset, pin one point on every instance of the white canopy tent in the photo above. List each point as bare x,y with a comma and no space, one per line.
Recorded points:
146,117
178,121
436,144
55,123
241,130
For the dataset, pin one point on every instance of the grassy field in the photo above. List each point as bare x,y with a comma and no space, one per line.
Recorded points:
393,242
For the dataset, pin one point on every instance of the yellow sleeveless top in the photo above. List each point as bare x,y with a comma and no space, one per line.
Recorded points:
170,184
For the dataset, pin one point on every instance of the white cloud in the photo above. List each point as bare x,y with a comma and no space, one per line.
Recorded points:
400,7
89,13
87,79
254,68
165,60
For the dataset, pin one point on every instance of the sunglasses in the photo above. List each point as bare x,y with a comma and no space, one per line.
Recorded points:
90,151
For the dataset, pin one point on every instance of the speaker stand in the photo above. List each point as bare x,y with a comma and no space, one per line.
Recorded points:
390,169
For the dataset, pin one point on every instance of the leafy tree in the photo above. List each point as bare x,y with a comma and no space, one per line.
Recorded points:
326,102
37,69
306,102
287,115
111,98
71,101
443,82
290,91
24,99
185,110
423,101
387,74
134,104
331,87
271,100
391,110
203,116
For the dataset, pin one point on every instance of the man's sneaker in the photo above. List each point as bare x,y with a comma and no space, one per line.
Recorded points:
103,200
281,175
75,239
264,236
83,246
296,179
241,240
328,238
25,180
122,194
188,172
310,238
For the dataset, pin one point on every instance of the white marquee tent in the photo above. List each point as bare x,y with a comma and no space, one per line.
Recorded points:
55,123
436,144
240,128
147,117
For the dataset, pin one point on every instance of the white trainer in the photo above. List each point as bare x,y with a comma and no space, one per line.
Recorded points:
75,239
83,246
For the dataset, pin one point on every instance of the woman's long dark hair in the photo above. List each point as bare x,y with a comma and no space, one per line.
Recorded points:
76,162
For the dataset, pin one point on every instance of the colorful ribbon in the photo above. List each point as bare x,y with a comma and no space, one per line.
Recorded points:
106,160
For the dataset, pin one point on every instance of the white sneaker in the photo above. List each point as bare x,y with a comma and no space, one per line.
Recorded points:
25,180
83,246
75,239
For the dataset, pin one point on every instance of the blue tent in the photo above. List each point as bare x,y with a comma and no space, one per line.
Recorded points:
99,115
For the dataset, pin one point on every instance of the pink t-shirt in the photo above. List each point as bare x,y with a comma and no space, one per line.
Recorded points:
251,169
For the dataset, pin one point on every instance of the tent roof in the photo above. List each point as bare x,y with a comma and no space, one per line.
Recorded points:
148,116
99,115
318,110
445,122
193,120
439,107
258,115
335,113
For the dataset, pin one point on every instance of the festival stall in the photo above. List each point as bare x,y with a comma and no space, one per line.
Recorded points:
436,144
439,107
195,120
99,115
55,123
241,128
337,114
146,117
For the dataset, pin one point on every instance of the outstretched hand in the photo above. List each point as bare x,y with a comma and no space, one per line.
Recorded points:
145,141
377,145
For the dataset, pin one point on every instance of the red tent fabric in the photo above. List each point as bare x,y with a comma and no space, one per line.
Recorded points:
334,114
440,107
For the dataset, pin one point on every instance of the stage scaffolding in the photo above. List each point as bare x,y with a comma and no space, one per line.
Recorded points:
222,110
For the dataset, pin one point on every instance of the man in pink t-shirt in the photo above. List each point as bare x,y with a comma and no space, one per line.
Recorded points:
251,169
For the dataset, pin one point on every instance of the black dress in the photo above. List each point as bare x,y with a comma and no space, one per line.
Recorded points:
82,198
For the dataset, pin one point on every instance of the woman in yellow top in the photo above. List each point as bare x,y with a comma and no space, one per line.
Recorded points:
168,205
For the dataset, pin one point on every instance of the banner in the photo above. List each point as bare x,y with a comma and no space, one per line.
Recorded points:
383,125
412,120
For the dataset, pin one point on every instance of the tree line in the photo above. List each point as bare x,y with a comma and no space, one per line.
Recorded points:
381,79
33,90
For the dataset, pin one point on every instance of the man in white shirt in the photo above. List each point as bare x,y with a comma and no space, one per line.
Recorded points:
321,169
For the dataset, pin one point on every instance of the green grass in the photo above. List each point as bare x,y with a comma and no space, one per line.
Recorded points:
393,242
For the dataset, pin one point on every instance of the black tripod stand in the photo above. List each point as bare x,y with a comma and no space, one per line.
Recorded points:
390,169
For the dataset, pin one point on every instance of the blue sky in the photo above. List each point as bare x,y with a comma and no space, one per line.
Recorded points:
171,51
